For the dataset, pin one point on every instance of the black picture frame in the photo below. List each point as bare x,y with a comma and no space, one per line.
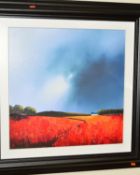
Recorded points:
87,11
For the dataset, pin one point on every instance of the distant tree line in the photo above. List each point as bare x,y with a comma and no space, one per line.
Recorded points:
110,111
60,114
19,109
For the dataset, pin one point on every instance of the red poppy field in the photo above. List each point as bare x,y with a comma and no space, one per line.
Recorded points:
45,131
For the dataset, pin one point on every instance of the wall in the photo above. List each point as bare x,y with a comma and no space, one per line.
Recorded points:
130,171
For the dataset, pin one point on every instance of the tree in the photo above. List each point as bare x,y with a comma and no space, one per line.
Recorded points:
18,109
110,111
29,110
10,108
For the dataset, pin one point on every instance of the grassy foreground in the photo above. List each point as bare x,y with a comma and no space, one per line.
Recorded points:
45,131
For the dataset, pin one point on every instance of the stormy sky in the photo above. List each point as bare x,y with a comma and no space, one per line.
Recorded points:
74,70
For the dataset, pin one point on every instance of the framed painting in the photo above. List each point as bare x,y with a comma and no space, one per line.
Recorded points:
69,86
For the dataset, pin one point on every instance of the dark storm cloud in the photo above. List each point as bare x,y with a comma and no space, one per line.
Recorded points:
98,77
99,85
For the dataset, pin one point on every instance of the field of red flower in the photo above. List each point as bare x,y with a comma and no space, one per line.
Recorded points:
45,131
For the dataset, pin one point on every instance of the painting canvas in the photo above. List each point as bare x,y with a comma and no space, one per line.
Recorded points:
67,88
